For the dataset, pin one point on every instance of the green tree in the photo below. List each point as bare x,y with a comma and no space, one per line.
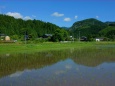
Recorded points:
108,32
59,35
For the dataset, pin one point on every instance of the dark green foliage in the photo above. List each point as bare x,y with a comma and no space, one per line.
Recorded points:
92,28
59,35
88,27
17,28
108,32
110,23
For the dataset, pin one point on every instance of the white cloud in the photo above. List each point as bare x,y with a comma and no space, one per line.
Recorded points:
15,14
18,15
76,17
27,18
67,19
56,14
97,17
17,74
68,66
59,72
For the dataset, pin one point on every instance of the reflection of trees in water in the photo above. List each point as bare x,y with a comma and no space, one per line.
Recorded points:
19,62
94,57
87,57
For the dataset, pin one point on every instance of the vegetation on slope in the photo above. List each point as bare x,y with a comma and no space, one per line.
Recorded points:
92,28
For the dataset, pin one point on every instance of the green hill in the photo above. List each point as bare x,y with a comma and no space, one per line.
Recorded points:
89,27
17,28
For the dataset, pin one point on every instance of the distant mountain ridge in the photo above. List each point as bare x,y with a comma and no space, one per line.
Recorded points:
89,27
86,23
66,28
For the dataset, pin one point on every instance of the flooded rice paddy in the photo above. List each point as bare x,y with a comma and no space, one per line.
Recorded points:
81,67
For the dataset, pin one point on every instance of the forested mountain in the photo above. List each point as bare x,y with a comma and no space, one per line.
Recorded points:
108,32
92,28
66,28
110,23
18,27
88,27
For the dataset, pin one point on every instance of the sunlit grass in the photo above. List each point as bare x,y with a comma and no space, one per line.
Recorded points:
22,48
14,48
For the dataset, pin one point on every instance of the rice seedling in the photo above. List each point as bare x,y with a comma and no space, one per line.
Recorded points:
87,56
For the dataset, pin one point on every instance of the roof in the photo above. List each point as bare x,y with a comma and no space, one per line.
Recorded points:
48,34
2,35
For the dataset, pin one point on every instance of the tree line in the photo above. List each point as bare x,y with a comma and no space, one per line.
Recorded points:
33,29
17,28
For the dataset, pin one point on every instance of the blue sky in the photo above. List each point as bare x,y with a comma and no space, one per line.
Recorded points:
60,12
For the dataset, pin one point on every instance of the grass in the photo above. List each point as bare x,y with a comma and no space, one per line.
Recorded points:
28,48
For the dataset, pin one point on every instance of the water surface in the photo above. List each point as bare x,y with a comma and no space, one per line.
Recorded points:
82,67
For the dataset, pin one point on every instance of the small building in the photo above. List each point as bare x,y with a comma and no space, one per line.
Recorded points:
98,39
83,38
26,37
47,35
7,38
2,35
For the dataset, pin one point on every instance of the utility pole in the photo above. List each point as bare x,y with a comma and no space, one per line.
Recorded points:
79,35
73,37
79,32
25,37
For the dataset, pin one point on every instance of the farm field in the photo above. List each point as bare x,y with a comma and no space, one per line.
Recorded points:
29,48
58,64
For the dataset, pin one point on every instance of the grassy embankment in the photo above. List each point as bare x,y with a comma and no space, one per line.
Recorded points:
28,48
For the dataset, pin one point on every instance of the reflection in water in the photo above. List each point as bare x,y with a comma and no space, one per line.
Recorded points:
19,73
83,67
